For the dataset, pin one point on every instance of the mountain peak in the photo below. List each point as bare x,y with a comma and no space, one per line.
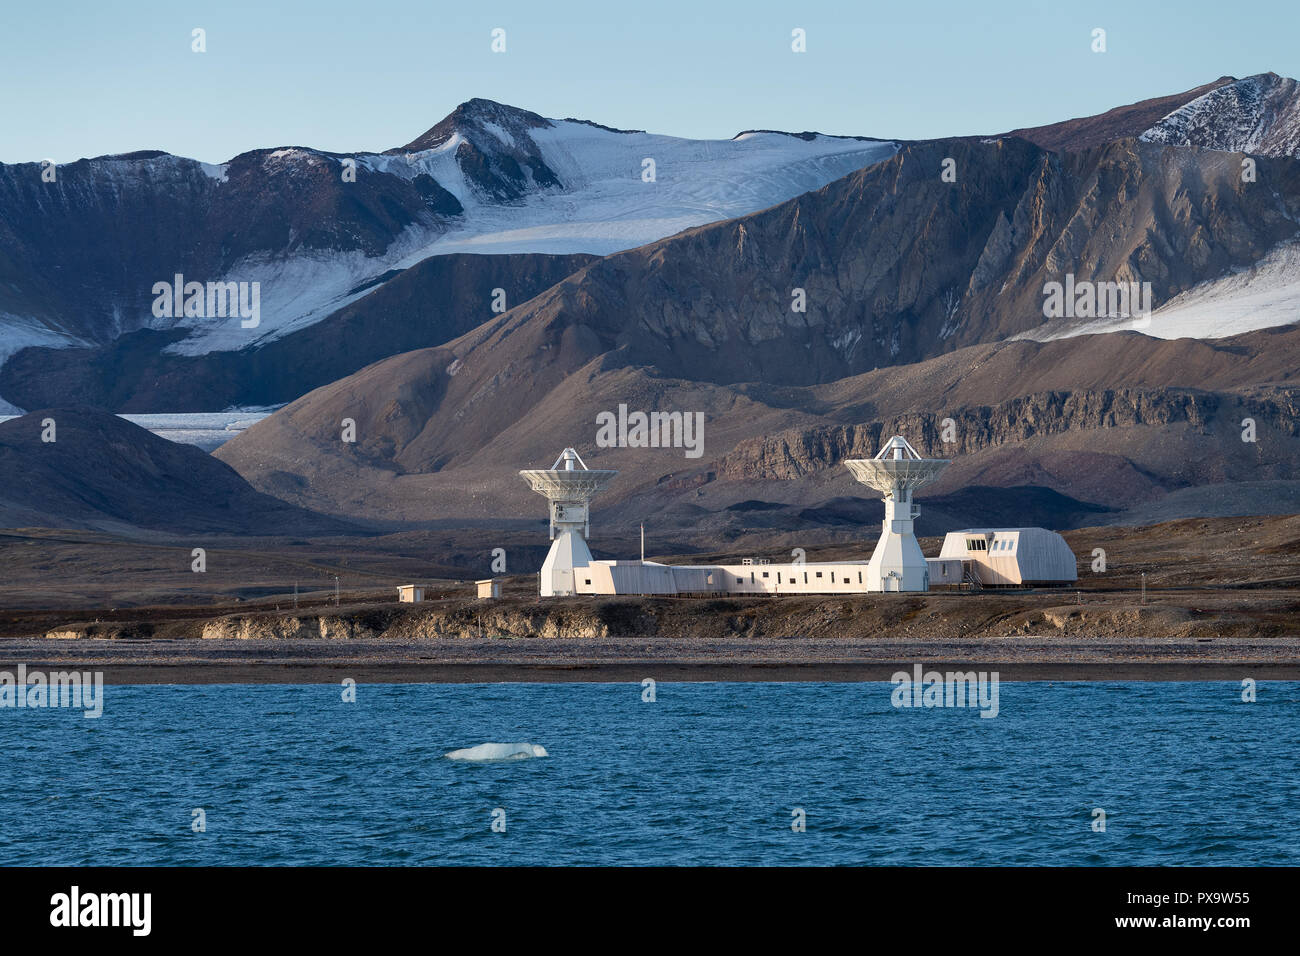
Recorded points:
477,118
1122,122
1255,114
1259,114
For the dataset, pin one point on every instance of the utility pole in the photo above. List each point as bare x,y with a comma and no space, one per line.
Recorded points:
336,590
1144,587
295,595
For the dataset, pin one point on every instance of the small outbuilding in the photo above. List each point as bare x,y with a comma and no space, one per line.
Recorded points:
1012,557
946,572
410,593
489,588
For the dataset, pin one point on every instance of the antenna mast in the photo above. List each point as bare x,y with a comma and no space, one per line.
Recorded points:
569,490
897,563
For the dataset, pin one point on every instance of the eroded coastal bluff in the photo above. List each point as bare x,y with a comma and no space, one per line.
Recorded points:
1023,636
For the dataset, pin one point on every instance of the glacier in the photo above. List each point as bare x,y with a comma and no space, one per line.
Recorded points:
603,207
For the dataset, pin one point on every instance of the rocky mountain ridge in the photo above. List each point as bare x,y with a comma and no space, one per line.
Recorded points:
84,244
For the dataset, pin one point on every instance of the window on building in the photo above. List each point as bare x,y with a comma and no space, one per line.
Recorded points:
819,574
765,574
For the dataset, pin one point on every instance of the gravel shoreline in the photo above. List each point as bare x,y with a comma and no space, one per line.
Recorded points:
617,660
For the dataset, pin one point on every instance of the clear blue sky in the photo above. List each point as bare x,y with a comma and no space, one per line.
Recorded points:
83,78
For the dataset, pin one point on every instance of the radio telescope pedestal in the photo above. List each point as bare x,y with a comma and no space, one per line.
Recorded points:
570,491
897,564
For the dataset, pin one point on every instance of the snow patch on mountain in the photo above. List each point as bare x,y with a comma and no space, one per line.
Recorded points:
1264,296
214,171
17,333
294,292
1259,114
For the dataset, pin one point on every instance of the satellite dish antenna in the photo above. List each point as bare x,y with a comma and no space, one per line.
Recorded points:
569,490
898,470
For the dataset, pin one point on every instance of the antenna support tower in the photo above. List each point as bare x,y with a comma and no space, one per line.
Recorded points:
898,470
569,485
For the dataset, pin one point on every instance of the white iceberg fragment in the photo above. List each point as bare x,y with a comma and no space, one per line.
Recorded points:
484,752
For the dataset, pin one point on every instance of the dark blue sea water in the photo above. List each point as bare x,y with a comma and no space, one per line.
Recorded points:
707,774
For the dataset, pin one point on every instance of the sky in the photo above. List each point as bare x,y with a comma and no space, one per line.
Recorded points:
88,78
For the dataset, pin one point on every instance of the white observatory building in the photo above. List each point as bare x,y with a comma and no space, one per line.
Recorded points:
897,564
1010,557
1006,557
570,491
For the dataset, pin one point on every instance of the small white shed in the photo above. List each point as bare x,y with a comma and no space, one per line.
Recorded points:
410,593
489,588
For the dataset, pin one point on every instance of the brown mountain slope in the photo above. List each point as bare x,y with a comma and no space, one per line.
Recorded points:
898,267
83,468
1117,420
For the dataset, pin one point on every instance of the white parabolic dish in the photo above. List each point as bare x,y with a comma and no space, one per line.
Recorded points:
568,483
896,466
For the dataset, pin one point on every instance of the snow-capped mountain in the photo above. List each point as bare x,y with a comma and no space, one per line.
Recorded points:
318,230
1259,114
365,255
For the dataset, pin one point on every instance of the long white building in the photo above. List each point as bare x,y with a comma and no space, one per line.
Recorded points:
976,557
754,577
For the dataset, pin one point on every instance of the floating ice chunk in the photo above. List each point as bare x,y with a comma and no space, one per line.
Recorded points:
485,752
